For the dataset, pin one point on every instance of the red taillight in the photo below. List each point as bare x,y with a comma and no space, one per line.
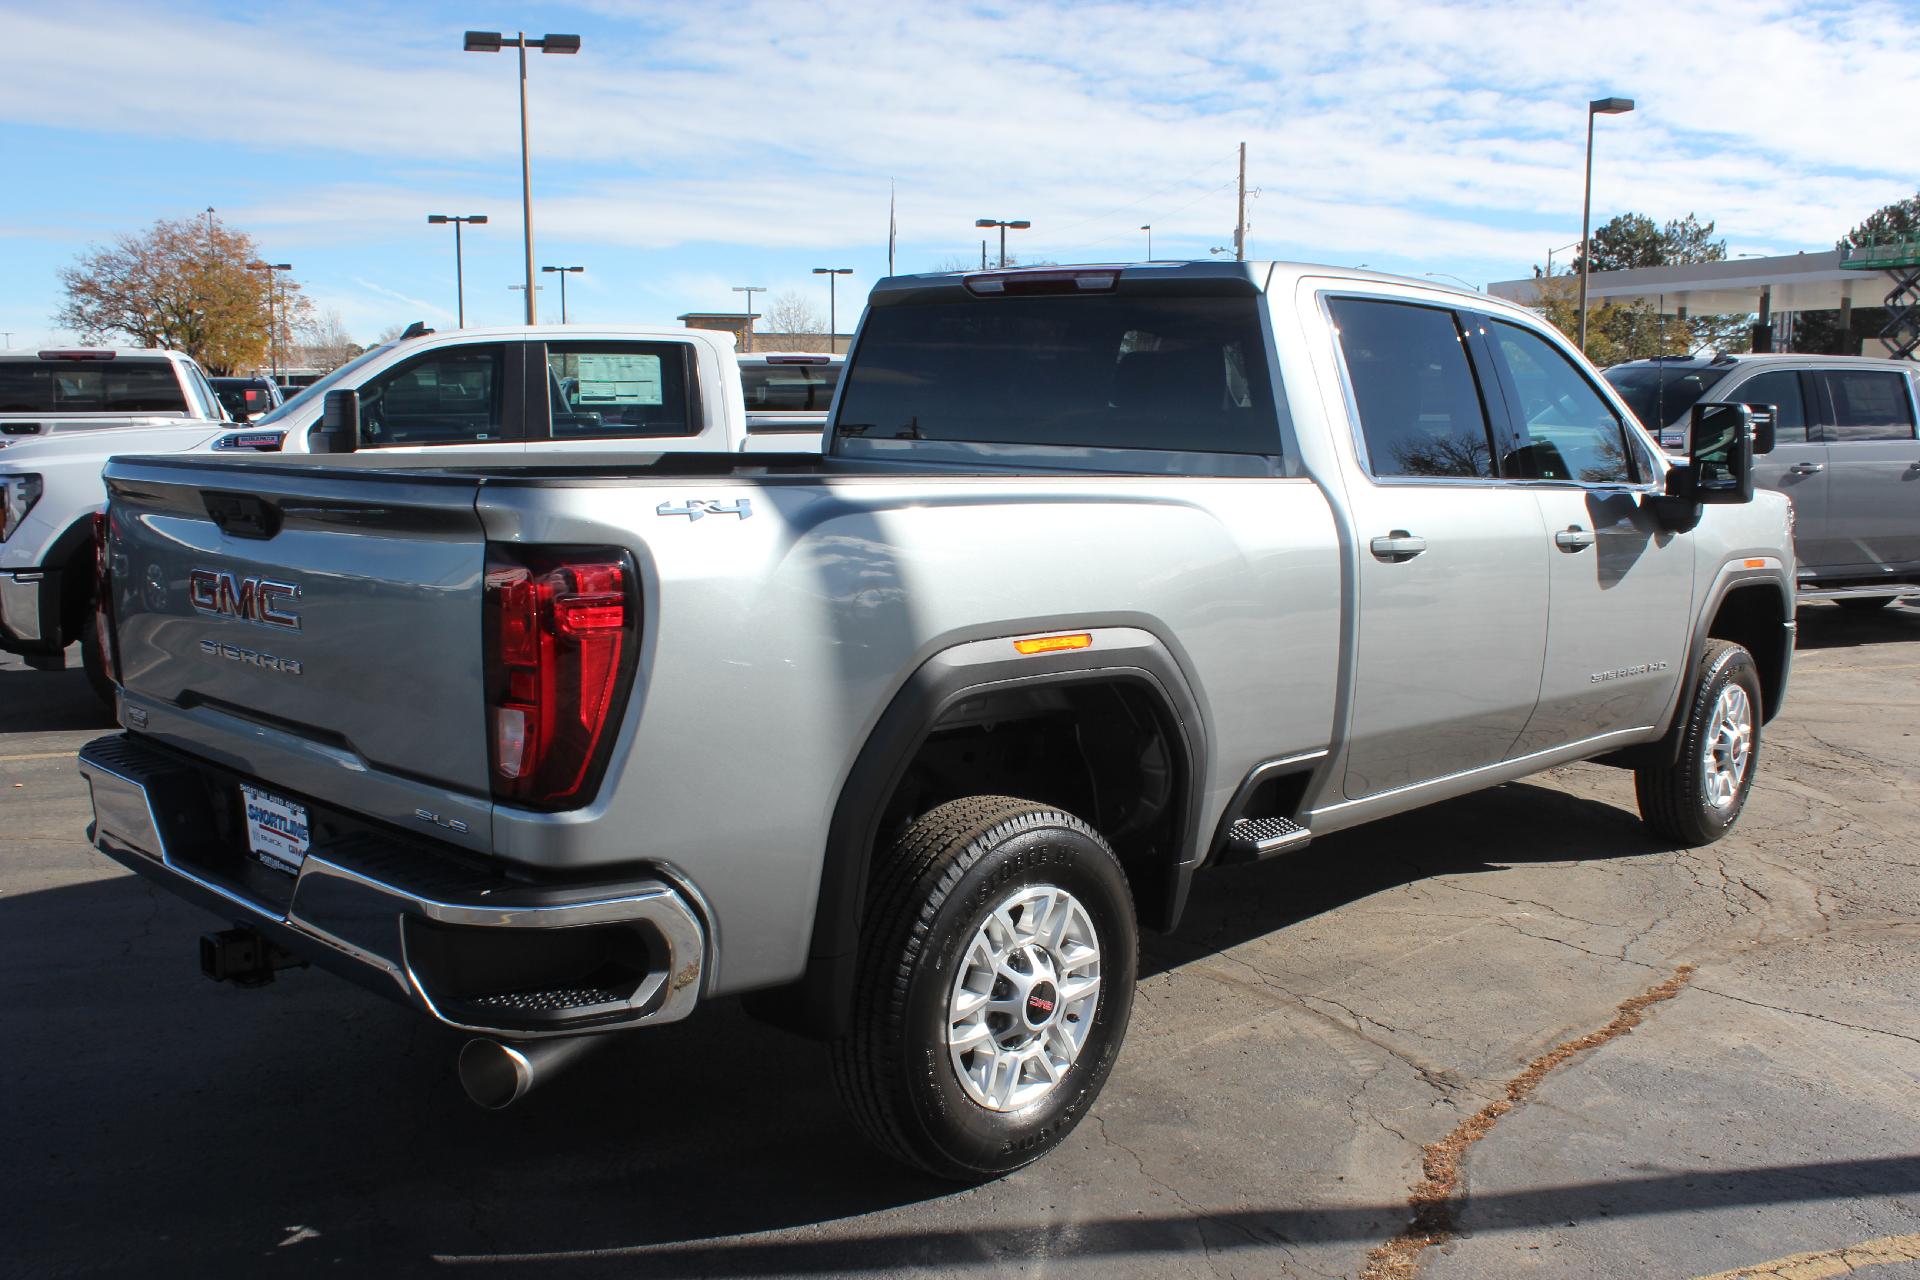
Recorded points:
103,592
561,630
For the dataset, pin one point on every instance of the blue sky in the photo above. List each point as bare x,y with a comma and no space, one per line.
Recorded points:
692,147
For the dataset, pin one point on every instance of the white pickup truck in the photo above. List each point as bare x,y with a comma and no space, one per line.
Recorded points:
515,389
58,392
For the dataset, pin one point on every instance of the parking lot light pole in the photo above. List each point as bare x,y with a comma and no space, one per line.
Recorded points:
459,272
493,42
1018,224
1148,228
273,312
564,272
833,327
750,290
1598,107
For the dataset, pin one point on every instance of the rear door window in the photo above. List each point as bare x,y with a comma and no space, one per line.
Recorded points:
451,396
1421,409
118,385
1780,388
1564,429
621,389
1865,404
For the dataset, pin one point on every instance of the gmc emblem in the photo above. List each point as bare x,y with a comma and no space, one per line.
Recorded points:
249,599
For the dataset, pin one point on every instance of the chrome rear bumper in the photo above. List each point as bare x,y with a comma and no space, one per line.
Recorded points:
470,948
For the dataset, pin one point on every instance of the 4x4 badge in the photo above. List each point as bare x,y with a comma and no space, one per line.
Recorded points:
694,508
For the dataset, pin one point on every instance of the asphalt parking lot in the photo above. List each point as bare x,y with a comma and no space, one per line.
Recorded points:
1319,1037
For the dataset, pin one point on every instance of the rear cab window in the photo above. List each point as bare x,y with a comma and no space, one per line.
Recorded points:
121,384
599,390
1139,369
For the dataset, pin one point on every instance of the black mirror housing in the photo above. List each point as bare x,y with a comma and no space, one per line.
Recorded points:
1766,417
339,427
1720,454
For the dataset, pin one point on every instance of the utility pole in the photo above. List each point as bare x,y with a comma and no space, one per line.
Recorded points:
1240,224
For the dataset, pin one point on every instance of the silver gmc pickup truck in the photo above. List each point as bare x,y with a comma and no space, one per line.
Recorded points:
1108,574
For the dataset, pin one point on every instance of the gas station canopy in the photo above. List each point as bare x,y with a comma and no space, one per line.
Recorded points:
1796,282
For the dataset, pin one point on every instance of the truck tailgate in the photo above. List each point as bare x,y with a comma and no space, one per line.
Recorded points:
340,608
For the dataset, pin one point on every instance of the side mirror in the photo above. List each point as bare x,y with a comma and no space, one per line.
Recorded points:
1720,454
1765,418
339,429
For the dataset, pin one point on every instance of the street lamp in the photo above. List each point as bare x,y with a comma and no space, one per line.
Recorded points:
1019,224
564,272
1447,275
1598,107
833,327
749,290
1558,249
493,42
1148,228
273,314
459,273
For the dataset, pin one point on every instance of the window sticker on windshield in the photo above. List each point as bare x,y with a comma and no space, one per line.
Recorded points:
619,379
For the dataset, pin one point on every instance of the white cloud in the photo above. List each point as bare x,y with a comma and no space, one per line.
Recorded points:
1443,133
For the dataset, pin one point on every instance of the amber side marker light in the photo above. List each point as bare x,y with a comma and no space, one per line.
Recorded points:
1054,644
1755,564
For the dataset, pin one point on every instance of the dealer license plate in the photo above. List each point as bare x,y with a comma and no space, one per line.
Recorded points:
276,829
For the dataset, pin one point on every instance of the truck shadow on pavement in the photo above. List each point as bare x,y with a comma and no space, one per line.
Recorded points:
1827,626
160,1122
48,701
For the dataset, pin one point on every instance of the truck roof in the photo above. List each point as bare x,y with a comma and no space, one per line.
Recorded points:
94,353
1259,276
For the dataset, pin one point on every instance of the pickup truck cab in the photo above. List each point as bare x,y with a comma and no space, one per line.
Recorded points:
59,392
1109,574
546,389
1847,455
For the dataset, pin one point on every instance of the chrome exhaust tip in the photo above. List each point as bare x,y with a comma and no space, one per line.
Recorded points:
496,1074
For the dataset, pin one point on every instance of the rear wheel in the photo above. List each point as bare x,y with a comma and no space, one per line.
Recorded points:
997,964
1864,604
1697,798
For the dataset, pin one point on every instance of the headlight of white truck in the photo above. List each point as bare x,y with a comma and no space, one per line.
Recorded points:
18,493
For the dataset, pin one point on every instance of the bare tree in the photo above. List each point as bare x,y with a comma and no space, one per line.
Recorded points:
184,284
791,313
327,344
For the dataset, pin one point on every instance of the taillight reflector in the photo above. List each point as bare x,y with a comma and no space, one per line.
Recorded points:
561,630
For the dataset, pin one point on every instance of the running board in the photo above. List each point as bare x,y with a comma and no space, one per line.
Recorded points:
1250,839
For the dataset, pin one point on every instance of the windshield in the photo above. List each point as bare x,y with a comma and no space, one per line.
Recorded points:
1660,394
1111,370
119,385
789,388
311,394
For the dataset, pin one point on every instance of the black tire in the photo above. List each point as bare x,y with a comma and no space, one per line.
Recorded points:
93,657
930,894
1863,604
1673,797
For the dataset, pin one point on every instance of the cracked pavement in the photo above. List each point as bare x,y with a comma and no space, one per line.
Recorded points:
1314,1024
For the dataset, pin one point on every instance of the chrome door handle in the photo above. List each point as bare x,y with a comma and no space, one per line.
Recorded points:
1806,468
1397,546
1573,538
